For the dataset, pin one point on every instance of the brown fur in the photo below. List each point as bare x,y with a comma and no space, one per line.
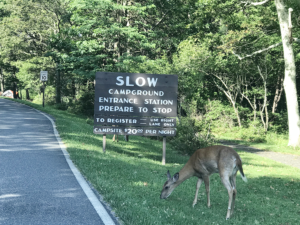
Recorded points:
204,162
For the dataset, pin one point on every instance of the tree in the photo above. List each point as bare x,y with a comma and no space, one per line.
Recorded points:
290,74
290,69
27,29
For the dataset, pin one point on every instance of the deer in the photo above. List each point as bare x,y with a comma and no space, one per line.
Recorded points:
204,162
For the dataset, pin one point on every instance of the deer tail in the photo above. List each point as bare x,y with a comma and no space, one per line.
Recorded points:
239,165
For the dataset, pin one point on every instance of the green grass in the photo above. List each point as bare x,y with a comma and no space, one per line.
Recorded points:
274,142
130,176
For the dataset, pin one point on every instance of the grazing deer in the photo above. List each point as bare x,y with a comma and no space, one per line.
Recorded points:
204,162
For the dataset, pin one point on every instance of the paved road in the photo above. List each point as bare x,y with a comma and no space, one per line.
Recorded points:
37,185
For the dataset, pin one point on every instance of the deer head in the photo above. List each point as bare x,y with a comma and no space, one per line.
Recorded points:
170,185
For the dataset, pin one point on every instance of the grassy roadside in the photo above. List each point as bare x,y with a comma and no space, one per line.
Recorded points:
130,177
274,142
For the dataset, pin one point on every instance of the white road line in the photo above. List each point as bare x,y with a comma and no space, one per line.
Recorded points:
105,217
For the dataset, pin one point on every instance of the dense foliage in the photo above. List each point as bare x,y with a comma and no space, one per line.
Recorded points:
212,45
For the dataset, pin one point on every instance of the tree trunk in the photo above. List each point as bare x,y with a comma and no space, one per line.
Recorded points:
254,109
17,92
14,86
237,114
253,106
58,87
73,90
262,116
264,119
289,76
267,118
265,103
27,94
278,92
1,80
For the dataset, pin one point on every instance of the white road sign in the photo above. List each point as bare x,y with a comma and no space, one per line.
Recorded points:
44,76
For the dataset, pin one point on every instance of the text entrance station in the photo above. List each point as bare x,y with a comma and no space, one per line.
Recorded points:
135,104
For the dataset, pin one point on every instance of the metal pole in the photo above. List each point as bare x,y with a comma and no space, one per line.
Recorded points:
43,93
164,150
104,142
126,138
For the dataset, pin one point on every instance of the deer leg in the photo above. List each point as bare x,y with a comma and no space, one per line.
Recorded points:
230,194
199,182
227,184
233,184
206,182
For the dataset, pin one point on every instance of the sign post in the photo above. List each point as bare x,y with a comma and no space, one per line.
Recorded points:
164,150
135,104
43,94
104,142
43,78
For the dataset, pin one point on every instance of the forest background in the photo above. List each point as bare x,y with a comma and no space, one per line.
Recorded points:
238,62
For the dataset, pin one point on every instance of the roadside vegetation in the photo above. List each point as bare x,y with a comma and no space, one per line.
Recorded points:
230,58
273,142
130,176
236,82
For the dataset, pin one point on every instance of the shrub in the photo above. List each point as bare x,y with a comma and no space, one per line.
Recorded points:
84,105
49,96
279,122
191,135
254,132
61,106
220,115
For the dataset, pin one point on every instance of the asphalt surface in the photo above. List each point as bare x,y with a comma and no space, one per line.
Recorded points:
37,185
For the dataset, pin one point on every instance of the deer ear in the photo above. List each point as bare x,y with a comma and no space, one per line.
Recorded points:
175,177
168,175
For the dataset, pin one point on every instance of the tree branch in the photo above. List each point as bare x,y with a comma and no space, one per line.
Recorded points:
221,81
265,88
246,97
259,51
225,92
161,19
256,3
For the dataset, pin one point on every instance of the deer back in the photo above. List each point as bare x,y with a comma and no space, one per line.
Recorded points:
207,161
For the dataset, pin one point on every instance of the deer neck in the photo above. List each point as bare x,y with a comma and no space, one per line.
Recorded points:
185,173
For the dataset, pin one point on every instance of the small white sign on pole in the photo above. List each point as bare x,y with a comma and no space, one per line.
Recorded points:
44,76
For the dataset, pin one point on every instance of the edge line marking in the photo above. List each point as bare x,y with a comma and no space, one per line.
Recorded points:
101,211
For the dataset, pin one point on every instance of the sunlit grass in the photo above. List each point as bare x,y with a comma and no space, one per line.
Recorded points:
130,176
274,142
